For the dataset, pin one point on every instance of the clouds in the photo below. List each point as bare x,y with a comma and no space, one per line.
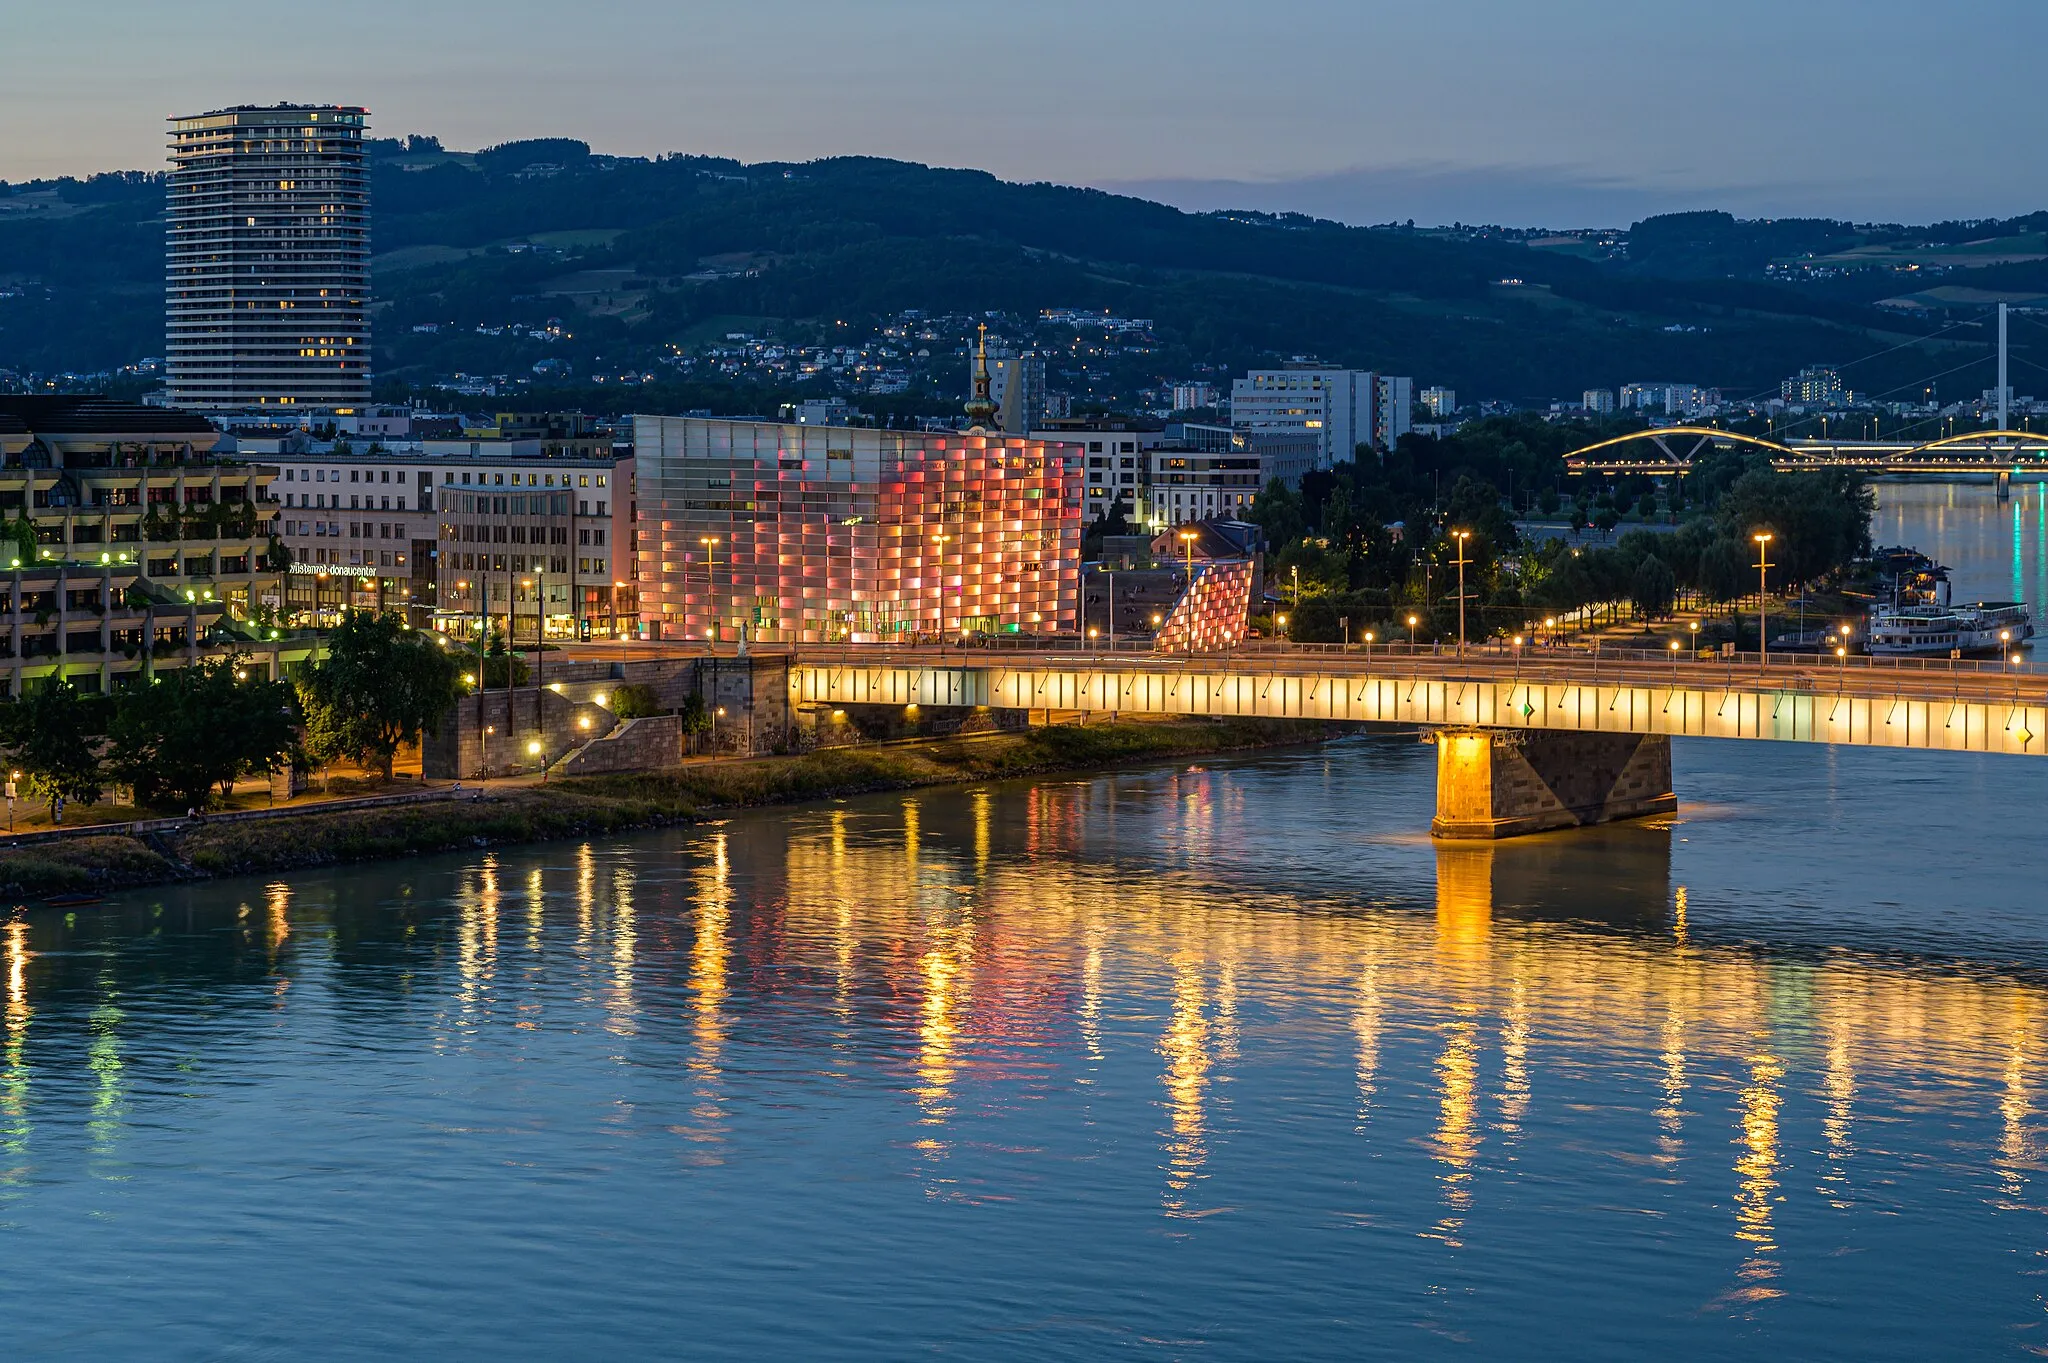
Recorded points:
1573,111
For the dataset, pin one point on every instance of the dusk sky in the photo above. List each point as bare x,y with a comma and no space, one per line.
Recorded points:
1572,112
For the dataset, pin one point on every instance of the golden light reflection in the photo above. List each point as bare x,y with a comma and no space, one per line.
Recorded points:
1185,1046
14,1069
1056,952
1756,1168
622,1008
984,829
278,901
1456,1140
1514,1058
2015,1109
710,958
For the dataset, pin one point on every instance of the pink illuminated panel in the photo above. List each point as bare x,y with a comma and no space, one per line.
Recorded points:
1212,613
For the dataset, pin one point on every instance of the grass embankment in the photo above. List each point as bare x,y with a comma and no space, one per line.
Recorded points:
616,803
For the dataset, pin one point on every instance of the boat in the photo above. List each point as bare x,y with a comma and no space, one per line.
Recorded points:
1975,629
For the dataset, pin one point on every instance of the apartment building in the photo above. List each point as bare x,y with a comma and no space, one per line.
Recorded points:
151,549
268,259
1344,408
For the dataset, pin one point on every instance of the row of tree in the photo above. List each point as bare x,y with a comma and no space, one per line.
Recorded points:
1367,544
195,730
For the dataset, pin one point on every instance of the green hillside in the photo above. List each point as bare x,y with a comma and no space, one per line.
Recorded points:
635,260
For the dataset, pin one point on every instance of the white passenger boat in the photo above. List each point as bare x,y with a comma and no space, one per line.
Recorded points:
1972,630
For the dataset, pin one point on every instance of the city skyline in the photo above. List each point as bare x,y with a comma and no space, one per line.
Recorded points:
1584,114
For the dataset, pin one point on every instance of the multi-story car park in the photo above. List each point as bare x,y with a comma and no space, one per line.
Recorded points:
151,549
452,538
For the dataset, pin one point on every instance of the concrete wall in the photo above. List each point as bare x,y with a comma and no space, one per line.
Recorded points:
492,734
650,743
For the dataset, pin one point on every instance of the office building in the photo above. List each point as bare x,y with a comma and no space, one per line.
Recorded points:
1346,408
152,550
1393,413
267,278
1205,471
456,538
1113,457
785,533
1672,399
1820,385
1017,387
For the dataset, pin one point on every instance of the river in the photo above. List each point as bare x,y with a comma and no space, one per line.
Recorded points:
1222,1060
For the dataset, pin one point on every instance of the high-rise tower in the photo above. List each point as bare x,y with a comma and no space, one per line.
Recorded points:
267,277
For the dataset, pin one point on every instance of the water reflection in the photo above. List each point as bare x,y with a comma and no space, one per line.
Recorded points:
1050,996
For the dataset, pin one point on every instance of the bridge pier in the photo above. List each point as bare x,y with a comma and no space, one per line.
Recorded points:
1499,783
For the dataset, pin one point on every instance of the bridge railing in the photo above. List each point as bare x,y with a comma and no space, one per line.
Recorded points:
1526,655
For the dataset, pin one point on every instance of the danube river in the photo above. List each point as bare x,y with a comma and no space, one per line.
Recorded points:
1218,1061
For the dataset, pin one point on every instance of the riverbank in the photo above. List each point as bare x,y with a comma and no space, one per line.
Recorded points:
617,803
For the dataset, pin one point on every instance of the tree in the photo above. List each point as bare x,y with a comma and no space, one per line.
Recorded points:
20,537
380,686
194,728
635,701
51,734
1652,586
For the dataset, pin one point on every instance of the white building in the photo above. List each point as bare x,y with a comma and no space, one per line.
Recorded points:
1113,462
1189,397
1216,471
1347,408
1598,401
1673,399
1017,387
1393,414
1438,402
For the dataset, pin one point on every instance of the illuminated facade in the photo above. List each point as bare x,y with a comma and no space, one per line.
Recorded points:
1212,612
788,533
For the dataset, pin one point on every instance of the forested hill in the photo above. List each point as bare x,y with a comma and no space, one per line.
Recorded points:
641,258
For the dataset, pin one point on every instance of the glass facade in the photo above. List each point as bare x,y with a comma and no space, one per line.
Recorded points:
810,534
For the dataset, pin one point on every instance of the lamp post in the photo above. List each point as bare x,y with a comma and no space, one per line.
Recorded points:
939,587
1763,568
533,750
1187,538
1111,622
1368,645
1674,662
710,543
1550,630
1461,536
1411,634
716,715
540,647
2004,638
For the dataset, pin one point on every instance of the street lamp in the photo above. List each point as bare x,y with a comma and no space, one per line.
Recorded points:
1280,621
1411,634
1674,662
716,715
533,751
1763,567
1550,630
1461,536
1368,643
1187,537
710,543
2004,638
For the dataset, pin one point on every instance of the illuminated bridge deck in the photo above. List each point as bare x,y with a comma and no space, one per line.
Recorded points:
1871,703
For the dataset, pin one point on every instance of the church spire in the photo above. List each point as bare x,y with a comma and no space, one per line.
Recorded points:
981,409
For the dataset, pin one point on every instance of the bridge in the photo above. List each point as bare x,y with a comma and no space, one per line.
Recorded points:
1528,739
1673,450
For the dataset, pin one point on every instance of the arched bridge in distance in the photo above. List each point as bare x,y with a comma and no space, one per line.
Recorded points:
1527,739
1673,450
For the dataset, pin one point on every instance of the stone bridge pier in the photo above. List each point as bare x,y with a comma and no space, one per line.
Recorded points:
1502,783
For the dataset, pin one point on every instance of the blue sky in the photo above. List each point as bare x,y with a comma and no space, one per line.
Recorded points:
1568,112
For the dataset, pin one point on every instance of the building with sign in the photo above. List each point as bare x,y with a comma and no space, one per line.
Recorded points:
451,539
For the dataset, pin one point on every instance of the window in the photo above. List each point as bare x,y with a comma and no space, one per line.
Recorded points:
320,475
499,479
465,477
401,503
351,475
386,476
583,480
600,508
447,477
600,480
